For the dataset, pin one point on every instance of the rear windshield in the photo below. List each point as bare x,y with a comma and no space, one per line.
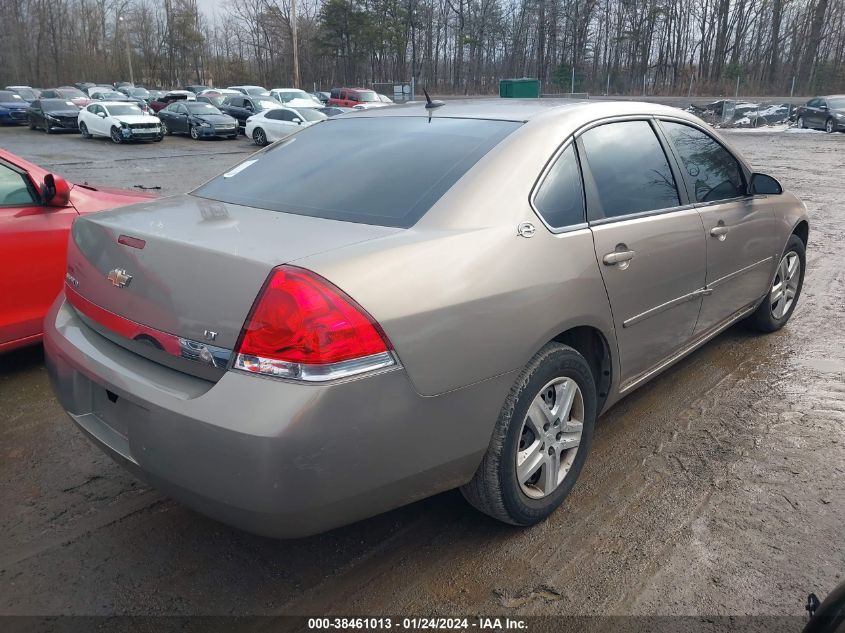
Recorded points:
382,170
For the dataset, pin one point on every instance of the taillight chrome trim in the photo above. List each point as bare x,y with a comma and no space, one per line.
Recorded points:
271,368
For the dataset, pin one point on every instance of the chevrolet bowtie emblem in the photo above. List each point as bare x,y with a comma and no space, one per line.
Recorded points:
119,278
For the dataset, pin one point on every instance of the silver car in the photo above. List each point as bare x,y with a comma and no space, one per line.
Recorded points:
403,301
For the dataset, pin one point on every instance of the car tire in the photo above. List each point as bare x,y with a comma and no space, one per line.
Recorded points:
829,126
165,131
47,129
195,134
496,489
801,124
775,309
259,137
116,138
32,125
83,129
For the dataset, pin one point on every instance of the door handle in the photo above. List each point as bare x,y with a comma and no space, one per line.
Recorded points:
618,257
720,232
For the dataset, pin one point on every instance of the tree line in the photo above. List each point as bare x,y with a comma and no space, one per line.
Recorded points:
619,47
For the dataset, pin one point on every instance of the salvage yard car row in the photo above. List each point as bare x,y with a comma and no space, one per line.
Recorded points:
130,113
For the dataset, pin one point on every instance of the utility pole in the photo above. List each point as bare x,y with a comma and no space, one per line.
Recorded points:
295,45
128,52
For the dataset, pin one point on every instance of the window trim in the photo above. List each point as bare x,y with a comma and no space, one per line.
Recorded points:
541,179
744,169
590,188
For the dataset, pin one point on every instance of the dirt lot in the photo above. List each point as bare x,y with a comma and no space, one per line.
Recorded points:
717,489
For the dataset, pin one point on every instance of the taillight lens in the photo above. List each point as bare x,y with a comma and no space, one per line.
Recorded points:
303,327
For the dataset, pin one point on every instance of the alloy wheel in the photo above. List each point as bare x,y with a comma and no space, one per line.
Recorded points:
115,136
259,137
164,130
801,122
785,286
550,436
194,133
83,129
828,126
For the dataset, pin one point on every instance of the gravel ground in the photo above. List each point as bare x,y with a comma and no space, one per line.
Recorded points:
716,489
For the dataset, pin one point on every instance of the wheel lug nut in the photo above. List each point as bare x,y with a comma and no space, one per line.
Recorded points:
551,451
559,436
546,426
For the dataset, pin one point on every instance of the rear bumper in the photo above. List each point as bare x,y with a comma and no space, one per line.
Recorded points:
271,457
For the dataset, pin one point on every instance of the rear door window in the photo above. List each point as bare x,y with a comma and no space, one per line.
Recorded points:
560,197
401,167
710,170
629,170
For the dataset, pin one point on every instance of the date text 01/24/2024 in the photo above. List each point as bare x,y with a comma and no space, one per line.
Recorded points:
417,623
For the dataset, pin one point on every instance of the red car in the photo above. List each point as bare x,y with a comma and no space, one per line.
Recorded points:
37,209
350,97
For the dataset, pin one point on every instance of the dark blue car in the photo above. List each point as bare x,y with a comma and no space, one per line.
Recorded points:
12,108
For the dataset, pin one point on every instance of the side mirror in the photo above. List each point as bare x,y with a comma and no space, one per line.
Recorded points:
102,115
55,191
297,120
823,107
761,184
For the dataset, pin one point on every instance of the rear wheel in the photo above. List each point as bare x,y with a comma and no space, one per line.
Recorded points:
116,136
83,129
829,126
801,123
779,304
165,130
259,137
540,440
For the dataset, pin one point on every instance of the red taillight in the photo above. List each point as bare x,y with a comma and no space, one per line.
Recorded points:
302,326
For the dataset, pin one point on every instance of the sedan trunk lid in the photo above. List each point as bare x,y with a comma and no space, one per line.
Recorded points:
176,274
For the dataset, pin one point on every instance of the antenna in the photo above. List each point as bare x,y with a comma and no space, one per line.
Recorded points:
431,105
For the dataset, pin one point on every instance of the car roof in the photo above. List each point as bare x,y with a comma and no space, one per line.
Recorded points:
520,110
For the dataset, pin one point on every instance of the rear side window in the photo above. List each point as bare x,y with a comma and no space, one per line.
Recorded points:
394,170
560,197
629,169
711,171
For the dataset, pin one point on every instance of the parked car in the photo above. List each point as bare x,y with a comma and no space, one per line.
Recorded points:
12,108
385,99
123,84
171,96
294,98
115,97
26,93
242,107
331,111
824,113
199,120
136,92
99,88
195,89
53,114
252,91
350,97
322,97
36,212
69,93
269,126
84,85
119,121
453,279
